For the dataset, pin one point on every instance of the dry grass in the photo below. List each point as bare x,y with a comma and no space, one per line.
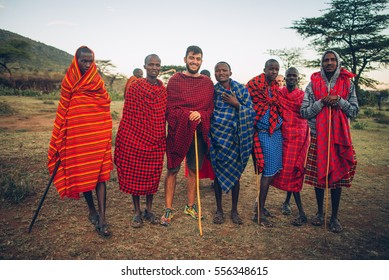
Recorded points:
62,230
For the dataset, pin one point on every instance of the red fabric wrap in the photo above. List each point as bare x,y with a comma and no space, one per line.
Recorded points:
141,139
259,88
295,143
341,152
82,133
186,94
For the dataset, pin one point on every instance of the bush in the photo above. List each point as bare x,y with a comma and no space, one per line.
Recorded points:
368,112
6,109
359,125
381,118
14,190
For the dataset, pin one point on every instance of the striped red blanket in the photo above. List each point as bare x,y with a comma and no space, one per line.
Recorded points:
82,133
141,139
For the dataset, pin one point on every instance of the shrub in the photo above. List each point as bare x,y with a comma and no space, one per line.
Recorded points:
368,112
359,125
6,109
14,190
381,118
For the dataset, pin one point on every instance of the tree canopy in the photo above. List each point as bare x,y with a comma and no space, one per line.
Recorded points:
12,51
354,29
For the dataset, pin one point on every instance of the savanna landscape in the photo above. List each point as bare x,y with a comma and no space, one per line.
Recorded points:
62,230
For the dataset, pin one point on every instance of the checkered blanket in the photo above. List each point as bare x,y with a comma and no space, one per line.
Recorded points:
231,135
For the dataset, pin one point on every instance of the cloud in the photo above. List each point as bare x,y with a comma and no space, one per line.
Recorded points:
61,23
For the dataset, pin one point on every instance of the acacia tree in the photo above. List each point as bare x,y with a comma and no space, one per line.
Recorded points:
13,51
352,28
106,70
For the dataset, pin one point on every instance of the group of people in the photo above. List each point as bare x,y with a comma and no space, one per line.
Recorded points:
292,135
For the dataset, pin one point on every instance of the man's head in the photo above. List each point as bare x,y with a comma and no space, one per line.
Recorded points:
85,58
206,73
280,80
291,77
222,72
193,59
138,73
152,66
272,67
329,62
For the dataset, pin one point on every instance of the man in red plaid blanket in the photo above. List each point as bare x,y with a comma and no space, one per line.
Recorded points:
141,140
295,134
329,102
189,108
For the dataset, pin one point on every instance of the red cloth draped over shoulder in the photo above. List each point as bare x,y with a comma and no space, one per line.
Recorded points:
341,151
185,94
295,134
141,139
259,88
82,133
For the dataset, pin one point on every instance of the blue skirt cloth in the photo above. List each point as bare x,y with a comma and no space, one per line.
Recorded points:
272,151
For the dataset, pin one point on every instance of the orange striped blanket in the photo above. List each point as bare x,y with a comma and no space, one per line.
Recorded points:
82,133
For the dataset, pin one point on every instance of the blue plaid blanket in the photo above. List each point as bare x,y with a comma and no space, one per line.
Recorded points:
231,135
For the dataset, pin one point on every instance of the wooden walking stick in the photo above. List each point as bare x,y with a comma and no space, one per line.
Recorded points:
327,171
197,183
44,195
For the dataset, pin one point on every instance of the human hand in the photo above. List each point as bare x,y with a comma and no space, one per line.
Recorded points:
231,99
195,116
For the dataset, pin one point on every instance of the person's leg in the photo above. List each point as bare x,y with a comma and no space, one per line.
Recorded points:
285,208
234,209
170,186
149,202
264,188
101,192
335,225
191,187
318,220
219,215
137,219
301,219
93,215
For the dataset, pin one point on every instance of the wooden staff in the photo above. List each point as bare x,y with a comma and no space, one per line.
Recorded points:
44,195
197,183
328,169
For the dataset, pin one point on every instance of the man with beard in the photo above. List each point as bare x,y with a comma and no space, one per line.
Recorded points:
295,134
329,102
189,108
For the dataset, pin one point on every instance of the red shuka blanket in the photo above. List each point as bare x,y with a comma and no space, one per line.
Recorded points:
341,152
186,94
82,133
295,134
141,139
259,88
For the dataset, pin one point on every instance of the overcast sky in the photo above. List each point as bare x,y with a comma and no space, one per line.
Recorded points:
237,31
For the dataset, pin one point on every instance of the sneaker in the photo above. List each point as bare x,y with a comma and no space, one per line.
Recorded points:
192,211
166,218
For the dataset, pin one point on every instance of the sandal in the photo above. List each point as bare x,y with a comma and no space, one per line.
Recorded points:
286,209
265,223
218,218
137,221
318,220
335,226
102,230
94,219
236,219
299,221
150,216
